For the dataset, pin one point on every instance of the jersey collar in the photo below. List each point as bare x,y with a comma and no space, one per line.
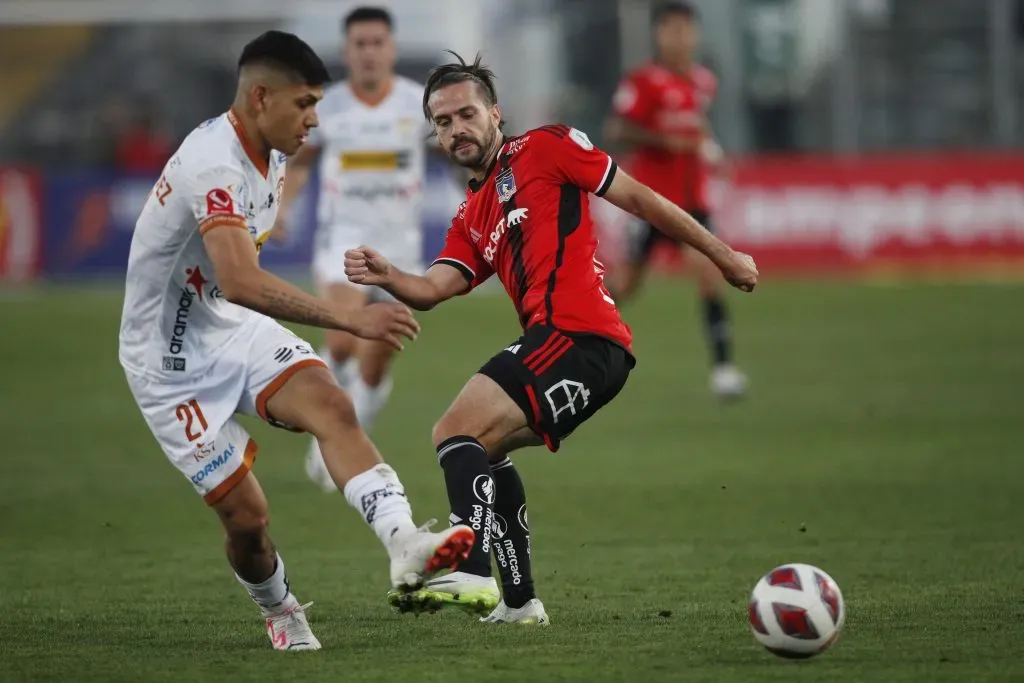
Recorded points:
262,165
475,185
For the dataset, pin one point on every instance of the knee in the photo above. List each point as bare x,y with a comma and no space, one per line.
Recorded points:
442,431
334,413
450,425
247,526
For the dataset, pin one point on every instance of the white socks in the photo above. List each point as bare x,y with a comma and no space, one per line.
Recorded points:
344,373
271,594
379,497
368,400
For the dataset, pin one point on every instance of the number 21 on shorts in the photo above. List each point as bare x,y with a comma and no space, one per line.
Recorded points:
190,413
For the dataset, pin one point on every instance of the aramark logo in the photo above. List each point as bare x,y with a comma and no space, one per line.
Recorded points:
515,217
180,322
196,279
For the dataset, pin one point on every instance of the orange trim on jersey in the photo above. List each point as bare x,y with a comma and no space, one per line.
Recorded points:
279,381
222,489
262,165
222,222
373,101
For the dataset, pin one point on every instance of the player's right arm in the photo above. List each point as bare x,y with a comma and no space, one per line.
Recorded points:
631,123
243,282
457,270
215,201
441,282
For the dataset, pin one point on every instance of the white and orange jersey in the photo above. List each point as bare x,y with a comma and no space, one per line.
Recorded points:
372,168
175,320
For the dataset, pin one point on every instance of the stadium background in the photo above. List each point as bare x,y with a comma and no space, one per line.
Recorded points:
878,179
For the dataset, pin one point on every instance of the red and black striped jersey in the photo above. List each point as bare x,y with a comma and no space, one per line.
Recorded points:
528,220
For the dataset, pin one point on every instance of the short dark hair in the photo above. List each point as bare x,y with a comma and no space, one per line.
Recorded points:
361,14
288,53
674,8
460,72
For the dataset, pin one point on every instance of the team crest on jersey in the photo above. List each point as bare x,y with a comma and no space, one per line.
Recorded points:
219,201
506,185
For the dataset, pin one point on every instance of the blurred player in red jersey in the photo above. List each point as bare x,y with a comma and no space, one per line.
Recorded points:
660,111
526,218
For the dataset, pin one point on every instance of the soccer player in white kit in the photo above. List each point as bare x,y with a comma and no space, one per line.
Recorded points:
371,151
199,342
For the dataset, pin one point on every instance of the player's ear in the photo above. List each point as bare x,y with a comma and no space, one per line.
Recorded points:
496,115
258,97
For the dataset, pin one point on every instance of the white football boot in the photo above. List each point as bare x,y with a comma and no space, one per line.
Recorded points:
530,613
727,381
288,628
418,556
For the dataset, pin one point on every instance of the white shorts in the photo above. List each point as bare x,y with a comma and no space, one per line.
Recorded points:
329,257
193,420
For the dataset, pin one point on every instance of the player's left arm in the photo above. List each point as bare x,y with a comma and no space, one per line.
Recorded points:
578,161
647,205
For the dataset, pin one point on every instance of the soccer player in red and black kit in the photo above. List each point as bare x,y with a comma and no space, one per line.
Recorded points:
525,219
660,111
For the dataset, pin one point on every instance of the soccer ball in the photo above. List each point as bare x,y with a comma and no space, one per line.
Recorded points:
796,611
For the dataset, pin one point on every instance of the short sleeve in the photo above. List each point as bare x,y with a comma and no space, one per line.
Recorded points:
633,101
460,253
583,164
214,198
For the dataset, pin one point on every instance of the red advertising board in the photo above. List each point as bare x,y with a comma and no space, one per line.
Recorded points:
20,225
905,212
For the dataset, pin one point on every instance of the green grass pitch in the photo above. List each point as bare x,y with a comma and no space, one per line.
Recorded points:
881,441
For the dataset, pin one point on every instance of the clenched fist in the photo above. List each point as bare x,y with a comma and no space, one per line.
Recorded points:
365,266
740,271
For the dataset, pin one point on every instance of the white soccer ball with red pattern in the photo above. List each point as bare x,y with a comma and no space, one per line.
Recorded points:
796,611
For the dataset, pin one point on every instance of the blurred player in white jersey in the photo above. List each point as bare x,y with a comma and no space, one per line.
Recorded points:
199,342
371,148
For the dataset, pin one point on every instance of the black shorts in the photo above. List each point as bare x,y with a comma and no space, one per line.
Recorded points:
643,236
560,379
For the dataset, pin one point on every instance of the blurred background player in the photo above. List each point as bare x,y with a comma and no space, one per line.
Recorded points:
371,150
660,112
